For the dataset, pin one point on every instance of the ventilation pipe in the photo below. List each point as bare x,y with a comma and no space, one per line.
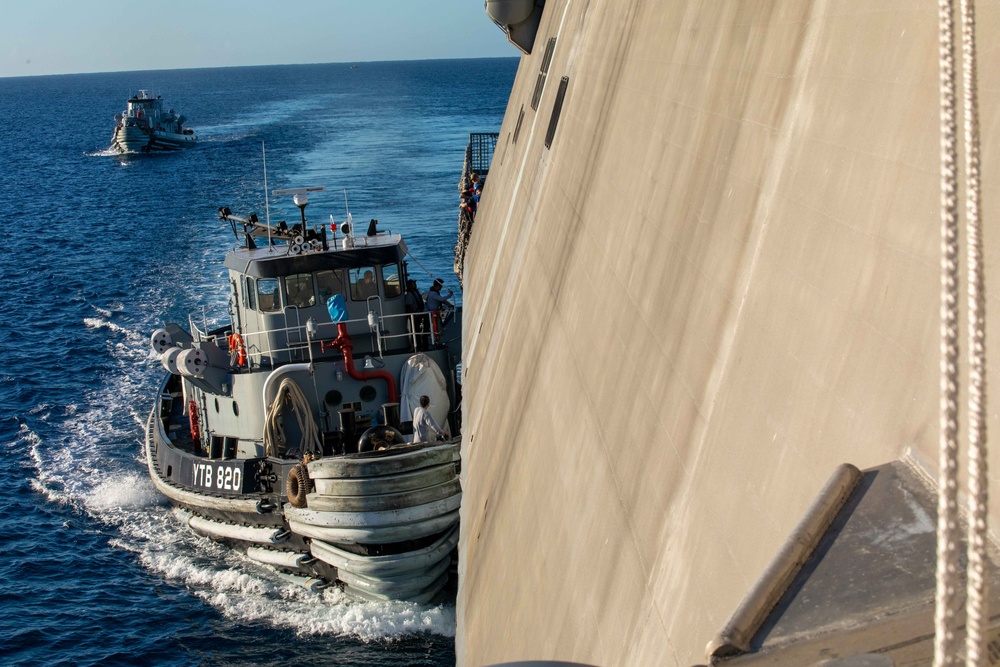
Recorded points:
343,343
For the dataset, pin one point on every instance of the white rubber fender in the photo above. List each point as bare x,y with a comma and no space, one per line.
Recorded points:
422,376
231,531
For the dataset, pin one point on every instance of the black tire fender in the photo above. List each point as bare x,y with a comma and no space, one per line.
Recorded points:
297,485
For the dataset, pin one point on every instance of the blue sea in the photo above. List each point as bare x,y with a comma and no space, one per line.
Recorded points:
98,251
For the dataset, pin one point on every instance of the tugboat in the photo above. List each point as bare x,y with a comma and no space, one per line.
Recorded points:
145,127
288,431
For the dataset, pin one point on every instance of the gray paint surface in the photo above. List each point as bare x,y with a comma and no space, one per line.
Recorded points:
719,283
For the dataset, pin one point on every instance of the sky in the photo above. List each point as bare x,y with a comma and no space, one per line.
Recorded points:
39,37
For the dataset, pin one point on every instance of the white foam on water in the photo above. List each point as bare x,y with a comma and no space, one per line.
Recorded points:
109,311
123,492
98,323
105,152
270,113
335,614
247,592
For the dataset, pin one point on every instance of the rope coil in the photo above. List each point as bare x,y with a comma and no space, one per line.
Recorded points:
274,434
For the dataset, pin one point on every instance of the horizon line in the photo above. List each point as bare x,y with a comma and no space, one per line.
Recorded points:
183,69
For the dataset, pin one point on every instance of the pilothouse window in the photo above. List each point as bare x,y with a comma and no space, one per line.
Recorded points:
363,283
267,295
328,284
390,281
251,300
299,288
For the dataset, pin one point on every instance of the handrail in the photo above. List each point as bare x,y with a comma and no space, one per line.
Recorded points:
413,334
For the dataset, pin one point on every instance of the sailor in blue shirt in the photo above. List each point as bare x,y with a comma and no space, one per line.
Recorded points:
434,296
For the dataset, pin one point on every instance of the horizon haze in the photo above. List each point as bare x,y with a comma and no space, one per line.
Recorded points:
61,37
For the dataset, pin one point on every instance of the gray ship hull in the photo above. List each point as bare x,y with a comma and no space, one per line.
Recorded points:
704,273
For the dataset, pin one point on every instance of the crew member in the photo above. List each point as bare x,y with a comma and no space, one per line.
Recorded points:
424,425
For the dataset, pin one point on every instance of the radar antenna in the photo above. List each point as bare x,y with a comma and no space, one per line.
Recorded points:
300,196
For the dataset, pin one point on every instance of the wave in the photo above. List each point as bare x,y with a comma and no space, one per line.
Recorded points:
105,152
246,592
270,113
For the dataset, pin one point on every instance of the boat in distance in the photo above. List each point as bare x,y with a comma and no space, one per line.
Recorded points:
285,431
144,127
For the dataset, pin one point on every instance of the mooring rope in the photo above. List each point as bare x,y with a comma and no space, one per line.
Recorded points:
947,548
945,642
976,611
274,435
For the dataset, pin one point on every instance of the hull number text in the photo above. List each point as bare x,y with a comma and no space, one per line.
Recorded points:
220,478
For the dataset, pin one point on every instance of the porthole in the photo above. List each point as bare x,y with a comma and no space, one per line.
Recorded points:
236,409
367,393
333,397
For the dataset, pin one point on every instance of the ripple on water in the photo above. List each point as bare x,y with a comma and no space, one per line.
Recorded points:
95,565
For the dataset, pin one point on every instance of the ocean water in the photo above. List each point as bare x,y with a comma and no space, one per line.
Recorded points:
99,250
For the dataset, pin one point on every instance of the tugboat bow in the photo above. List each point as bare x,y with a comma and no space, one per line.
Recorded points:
288,431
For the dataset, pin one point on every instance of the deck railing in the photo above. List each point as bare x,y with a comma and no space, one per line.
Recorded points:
478,157
421,333
479,152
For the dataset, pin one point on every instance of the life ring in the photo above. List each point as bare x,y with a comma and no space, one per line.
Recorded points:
297,485
193,421
236,345
379,437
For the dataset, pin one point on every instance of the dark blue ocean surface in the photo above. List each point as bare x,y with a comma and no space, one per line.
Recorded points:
99,250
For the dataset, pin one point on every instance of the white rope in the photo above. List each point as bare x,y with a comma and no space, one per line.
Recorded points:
976,609
274,433
945,643
947,551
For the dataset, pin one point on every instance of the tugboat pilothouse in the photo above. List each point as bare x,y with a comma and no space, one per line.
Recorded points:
288,432
145,127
